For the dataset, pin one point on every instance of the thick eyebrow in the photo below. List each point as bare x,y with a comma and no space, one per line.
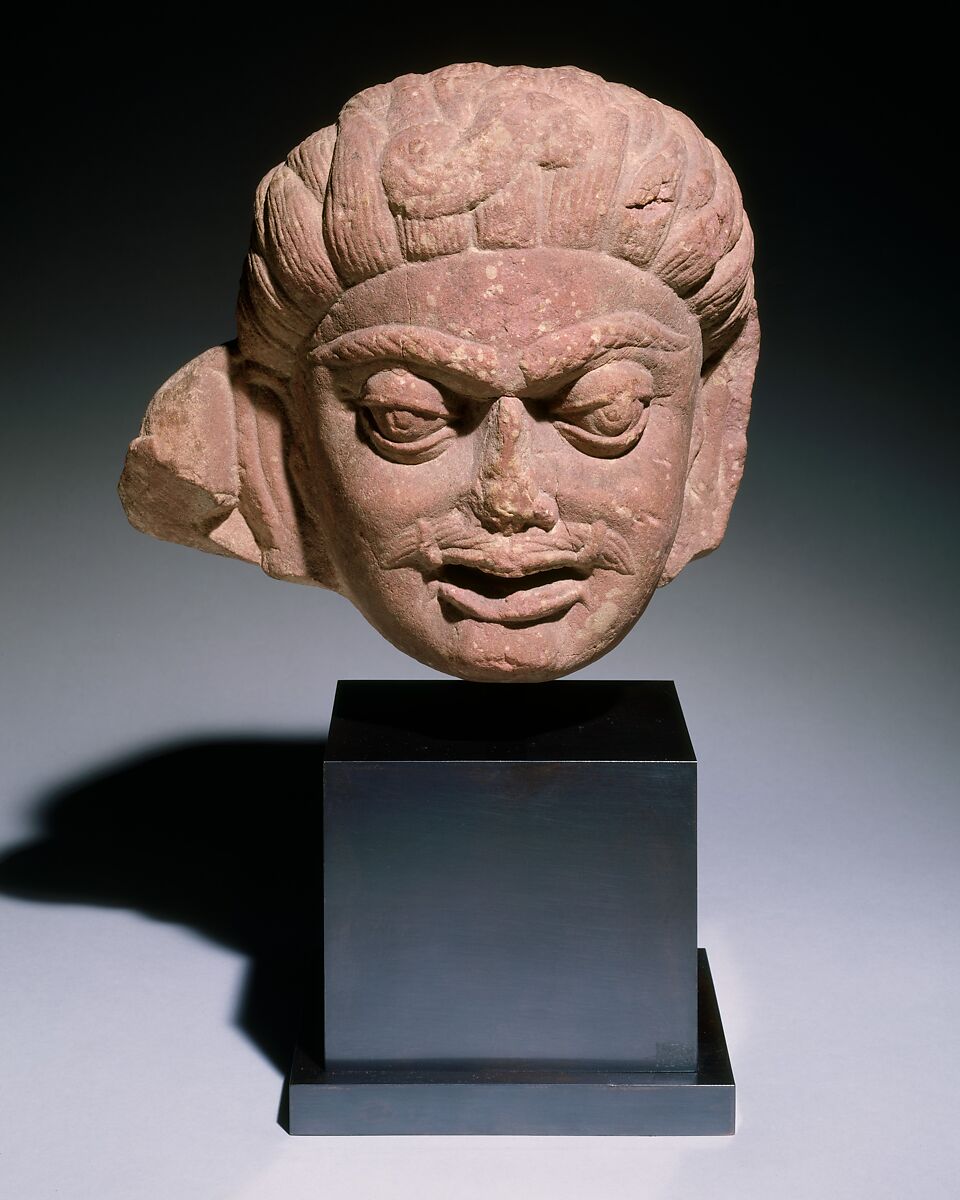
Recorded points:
450,359
569,350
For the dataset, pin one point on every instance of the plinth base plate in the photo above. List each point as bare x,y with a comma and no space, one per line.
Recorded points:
530,1101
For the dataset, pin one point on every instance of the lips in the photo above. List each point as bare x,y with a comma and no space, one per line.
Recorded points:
509,562
521,597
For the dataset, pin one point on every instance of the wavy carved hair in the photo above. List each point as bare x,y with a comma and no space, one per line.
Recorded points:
475,156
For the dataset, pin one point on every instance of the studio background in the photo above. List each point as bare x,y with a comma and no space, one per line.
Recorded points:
164,710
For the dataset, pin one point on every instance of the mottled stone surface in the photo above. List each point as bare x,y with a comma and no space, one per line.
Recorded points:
496,342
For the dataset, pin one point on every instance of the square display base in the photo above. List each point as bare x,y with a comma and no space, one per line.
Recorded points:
509,880
534,1102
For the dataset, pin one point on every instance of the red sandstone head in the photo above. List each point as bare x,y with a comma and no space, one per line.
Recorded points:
496,340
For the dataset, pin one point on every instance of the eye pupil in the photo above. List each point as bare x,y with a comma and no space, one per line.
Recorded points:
614,418
399,421
402,425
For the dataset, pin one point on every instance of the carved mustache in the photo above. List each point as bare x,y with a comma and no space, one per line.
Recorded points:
429,545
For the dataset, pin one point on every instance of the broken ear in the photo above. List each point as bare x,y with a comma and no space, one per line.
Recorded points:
719,445
209,470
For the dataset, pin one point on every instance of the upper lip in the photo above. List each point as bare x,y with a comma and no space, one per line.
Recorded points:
513,566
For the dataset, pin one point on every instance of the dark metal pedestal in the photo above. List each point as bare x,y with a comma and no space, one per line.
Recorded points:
509,917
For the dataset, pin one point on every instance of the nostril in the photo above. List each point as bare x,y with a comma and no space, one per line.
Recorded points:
507,506
545,512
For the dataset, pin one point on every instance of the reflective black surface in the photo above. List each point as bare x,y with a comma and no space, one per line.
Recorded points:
583,721
509,898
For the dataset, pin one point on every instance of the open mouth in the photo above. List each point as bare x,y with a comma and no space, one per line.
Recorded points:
509,600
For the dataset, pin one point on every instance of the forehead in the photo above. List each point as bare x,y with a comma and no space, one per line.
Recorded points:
505,298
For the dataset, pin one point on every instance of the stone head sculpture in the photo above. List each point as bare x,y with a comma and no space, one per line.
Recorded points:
496,343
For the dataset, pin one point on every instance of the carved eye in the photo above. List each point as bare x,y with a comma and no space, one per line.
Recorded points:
403,425
606,410
404,417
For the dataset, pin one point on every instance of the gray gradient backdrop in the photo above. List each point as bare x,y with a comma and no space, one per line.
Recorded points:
146,982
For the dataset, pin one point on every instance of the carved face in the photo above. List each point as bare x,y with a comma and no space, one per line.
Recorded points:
495,445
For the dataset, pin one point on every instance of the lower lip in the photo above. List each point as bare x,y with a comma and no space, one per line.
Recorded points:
537,604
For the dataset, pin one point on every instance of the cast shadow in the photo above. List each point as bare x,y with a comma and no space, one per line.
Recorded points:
223,837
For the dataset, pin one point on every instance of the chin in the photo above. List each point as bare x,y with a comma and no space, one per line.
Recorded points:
486,652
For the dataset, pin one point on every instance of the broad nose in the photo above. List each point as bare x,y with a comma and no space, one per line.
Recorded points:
506,498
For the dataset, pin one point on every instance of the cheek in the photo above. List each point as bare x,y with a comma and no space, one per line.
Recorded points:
369,496
640,491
